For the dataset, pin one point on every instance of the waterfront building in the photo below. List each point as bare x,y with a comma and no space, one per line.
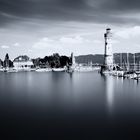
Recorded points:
23,63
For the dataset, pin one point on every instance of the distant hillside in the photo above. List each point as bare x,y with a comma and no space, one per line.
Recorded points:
99,58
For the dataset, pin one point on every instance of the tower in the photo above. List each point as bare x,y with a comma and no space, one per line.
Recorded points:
108,56
72,59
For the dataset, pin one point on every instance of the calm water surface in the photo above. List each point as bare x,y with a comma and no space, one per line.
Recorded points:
60,105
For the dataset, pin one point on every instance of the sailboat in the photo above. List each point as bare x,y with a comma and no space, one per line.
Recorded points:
131,74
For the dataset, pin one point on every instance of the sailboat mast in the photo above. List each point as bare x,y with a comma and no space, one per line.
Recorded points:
128,62
139,65
134,63
120,59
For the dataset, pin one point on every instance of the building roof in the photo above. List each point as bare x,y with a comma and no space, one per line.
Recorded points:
22,58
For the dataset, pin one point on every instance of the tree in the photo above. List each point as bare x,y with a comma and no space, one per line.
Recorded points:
7,57
64,60
1,63
7,62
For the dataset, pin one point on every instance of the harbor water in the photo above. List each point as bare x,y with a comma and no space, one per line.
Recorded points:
62,105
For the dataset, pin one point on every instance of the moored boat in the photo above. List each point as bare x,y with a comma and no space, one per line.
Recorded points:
43,70
12,70
84,69
9,70
117,73
1,70
58,69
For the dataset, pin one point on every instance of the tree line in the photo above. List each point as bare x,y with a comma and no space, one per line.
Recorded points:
53,61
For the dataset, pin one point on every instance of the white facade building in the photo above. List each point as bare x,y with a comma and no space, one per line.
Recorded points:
22,63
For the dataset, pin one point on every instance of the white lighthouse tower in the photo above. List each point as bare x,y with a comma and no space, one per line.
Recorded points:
108,55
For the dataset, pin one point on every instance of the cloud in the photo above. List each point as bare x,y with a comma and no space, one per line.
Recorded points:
48,45
59,43
122,5
5,47
72,40
97,11
45,43
65,45
128,33
97,41
16,44
63,22
30,51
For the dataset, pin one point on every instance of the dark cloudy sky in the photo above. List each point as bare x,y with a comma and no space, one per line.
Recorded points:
41,27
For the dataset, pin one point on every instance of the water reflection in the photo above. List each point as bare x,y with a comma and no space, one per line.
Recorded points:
78,101
110,92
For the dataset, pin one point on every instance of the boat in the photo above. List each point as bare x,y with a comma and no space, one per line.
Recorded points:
9,70
33,69
107,72
129,74
1,70
118,73
84,69
58,69
43,70
20,69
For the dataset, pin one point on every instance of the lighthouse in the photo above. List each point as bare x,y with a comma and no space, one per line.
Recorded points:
108,55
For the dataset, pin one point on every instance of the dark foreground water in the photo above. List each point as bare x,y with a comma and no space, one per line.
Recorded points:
63,106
